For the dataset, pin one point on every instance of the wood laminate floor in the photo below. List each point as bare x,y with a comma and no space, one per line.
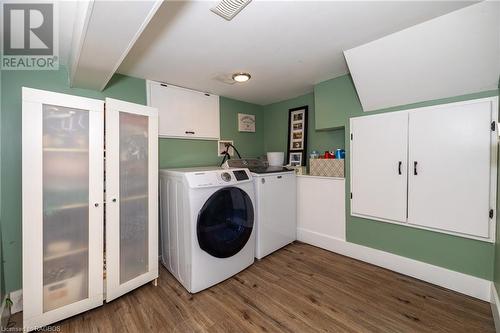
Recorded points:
300,288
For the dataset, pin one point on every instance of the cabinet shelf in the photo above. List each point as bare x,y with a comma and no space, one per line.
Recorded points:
66,254
65,150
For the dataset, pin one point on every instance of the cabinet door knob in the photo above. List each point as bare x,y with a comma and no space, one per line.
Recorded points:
114,199
415,168
96,205
189,132
399,167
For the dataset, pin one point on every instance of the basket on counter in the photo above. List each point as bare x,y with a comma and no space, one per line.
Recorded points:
326,167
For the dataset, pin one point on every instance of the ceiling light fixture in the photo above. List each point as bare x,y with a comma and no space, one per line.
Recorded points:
241,77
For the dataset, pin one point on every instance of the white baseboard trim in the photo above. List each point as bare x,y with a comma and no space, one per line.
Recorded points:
4,314
495,307
459,282
17,301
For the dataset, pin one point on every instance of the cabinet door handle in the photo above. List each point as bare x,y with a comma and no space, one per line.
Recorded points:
189,132
399,167
415,168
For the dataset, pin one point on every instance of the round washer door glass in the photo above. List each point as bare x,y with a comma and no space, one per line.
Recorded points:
225,222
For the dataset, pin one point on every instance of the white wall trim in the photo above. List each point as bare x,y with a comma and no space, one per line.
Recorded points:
16,297
459,282
4,313
495,307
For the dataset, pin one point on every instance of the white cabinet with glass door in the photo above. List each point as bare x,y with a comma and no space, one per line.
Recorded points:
131,196
63,202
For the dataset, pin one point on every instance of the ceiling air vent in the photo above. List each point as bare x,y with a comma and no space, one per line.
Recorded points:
228,9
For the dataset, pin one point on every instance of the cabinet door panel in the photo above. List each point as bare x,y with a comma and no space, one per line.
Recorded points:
131,196
449,187
185,113
62,205
378,166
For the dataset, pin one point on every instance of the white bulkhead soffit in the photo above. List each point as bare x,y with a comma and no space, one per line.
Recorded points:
451,55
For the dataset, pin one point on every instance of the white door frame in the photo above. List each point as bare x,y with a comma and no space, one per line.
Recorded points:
113,108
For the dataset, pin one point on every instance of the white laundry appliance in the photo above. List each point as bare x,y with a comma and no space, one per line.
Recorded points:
276,198
207,224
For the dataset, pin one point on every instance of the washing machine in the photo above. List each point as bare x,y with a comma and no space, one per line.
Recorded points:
206,224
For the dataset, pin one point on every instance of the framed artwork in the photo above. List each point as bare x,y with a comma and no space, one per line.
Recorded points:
246,122
297,135
295,159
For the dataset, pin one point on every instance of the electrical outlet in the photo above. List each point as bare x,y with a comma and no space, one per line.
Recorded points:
221,147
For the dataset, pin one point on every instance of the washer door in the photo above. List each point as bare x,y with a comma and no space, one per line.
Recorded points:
225,222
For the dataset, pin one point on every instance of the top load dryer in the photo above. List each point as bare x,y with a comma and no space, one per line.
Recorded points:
276,204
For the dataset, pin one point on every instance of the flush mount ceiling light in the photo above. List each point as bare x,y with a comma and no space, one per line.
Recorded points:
241,77
228,9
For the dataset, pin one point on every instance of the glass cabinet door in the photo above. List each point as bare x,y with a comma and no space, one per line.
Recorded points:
65,205
62,205
131,196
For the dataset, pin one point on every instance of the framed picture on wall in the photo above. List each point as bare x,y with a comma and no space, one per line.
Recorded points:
246,122
297,135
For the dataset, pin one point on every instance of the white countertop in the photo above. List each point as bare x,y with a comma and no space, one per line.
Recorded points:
321,177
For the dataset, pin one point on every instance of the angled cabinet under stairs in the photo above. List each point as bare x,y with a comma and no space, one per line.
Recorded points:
432,168
65,176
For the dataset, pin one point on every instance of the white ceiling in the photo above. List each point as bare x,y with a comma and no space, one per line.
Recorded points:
287,46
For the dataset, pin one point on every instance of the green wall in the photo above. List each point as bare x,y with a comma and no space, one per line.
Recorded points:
175,153
276,127
455,253
172,152
332,104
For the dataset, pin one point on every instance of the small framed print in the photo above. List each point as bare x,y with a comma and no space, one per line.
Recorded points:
246,122
295,159
297,135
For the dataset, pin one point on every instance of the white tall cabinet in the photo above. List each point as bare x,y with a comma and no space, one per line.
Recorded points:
433,168
63,206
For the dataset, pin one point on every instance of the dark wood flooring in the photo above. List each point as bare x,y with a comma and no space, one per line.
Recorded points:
300,288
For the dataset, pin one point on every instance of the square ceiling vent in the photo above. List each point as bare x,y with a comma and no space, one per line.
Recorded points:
228,9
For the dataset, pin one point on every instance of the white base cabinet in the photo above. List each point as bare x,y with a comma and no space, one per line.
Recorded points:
433,168
321,207
63,203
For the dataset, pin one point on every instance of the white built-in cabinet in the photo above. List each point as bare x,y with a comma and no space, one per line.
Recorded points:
320,210
184,113
71,178
432,168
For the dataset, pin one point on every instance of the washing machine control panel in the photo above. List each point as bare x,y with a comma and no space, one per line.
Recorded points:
226,176
218,177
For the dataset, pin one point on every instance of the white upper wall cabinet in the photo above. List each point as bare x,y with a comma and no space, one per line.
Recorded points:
450,156
185,113
451,55
378,166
